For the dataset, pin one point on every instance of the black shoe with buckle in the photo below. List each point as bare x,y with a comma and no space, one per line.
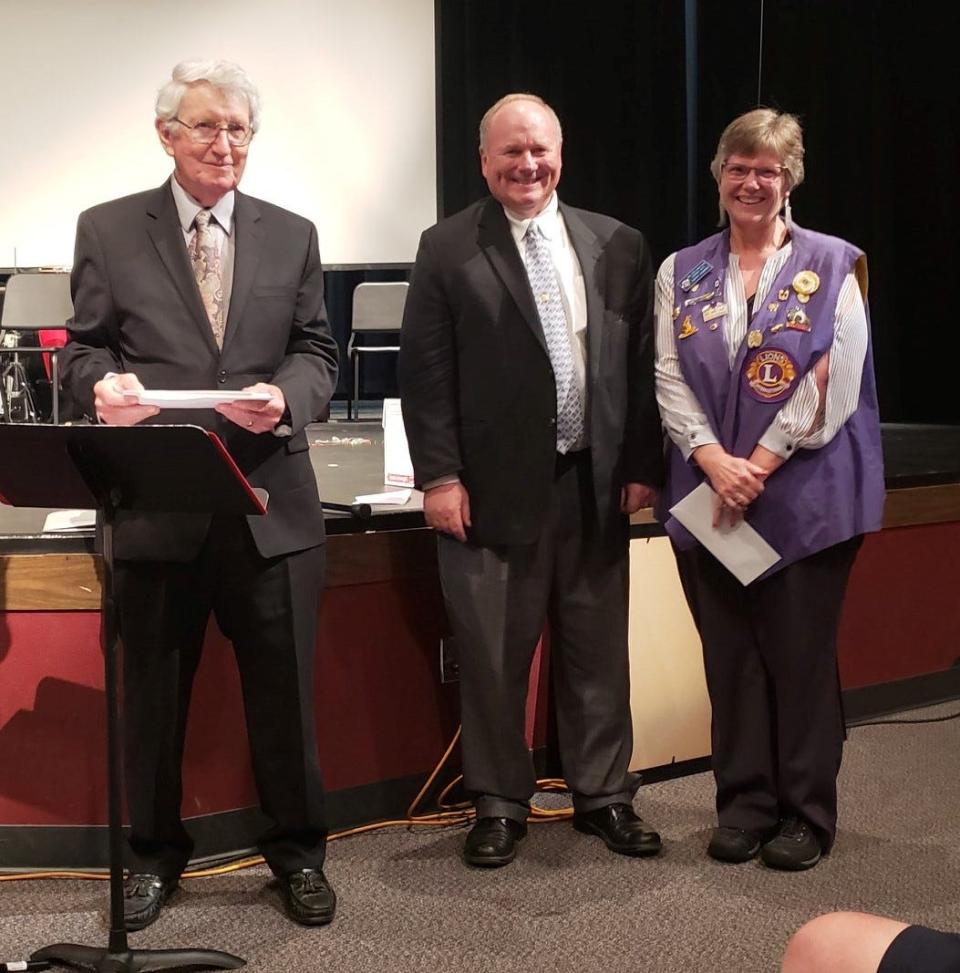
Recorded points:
492,842
733,845
308,897
621,829
144,895
794,848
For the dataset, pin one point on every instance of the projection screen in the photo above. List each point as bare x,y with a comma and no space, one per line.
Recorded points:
348,135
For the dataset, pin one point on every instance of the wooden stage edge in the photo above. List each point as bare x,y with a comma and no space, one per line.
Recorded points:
71,582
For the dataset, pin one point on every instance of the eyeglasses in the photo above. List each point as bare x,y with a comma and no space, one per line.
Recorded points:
207,132
765,174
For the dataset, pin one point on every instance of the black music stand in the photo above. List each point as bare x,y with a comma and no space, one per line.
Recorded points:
182,469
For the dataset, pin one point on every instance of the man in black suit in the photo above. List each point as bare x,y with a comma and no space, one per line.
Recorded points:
526,373
196,286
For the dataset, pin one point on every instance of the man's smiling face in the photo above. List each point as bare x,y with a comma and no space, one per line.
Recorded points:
520,157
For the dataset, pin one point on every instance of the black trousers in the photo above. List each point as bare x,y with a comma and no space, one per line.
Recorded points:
267,607
498,601
770,656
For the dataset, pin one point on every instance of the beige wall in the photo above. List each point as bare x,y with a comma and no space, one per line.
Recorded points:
671,711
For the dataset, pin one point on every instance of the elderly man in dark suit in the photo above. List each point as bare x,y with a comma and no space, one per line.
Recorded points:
526,373
196,286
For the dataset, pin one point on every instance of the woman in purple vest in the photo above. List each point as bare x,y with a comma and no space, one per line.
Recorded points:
765,383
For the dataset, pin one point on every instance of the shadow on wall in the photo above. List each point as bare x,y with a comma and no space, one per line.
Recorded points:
51,756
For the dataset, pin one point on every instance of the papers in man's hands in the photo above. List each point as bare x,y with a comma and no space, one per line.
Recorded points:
192,399
739,548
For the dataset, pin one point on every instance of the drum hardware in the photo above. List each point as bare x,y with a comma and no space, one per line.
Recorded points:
16,394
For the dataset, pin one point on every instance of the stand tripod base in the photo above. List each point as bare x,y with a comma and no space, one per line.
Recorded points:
135,960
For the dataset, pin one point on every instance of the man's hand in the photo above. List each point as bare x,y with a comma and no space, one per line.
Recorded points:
256,417
737,481
116,409
634,496
447,508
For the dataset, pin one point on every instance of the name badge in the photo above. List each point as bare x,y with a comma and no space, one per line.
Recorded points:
696,275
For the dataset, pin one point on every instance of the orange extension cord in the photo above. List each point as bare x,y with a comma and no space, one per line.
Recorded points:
448,815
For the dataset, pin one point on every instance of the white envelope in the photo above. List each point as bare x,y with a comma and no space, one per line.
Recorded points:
740,549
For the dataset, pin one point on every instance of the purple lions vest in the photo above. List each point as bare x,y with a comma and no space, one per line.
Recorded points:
819,497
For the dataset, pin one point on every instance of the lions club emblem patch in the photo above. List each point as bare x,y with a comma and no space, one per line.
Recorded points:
769,374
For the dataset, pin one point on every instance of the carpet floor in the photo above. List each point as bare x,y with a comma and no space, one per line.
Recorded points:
567,905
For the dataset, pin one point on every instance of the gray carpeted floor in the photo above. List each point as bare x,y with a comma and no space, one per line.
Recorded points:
408,904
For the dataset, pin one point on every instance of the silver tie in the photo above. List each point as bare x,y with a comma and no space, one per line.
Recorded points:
208,269
553,320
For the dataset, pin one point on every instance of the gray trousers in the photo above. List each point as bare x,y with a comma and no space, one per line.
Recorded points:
498,601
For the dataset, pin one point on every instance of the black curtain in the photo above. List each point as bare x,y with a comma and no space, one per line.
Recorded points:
613,71
875,86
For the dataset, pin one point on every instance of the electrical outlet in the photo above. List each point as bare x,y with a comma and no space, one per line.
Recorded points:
449,664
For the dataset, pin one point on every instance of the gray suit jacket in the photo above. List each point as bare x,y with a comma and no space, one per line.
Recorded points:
478,391
137,309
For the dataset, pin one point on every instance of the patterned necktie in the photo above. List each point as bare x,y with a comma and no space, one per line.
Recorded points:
208,269
553,320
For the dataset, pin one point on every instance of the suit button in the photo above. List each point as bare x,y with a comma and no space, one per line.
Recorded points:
553,422
221,376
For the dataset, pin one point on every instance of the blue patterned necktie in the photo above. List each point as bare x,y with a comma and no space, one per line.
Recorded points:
553,320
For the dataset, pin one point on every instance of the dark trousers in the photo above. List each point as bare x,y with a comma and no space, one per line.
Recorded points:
498,601
770,655
267,607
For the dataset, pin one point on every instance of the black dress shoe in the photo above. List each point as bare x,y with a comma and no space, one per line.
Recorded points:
794,848
622,830
143,898
492,842
308,897
733,845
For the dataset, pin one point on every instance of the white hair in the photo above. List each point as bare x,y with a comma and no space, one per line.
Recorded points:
226,75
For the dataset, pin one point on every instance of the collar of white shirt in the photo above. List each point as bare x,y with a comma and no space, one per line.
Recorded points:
188,207
548,221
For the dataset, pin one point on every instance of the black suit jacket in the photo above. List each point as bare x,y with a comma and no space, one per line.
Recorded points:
137,308
477,386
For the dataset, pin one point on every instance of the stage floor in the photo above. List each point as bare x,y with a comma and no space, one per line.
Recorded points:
347,458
